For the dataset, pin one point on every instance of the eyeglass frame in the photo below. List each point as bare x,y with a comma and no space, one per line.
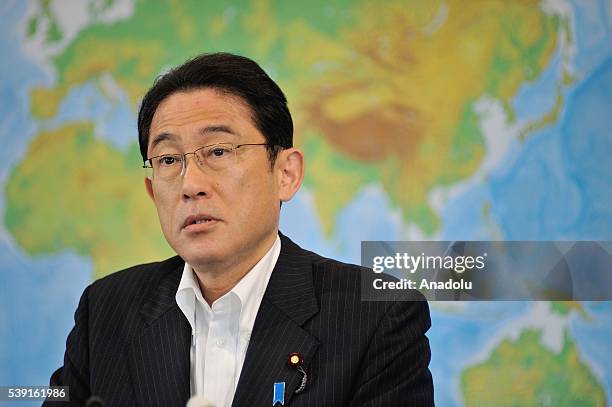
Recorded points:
184,155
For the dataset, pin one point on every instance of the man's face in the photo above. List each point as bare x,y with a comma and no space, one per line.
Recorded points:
239,205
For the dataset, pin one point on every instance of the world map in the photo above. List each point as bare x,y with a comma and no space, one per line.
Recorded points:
439,120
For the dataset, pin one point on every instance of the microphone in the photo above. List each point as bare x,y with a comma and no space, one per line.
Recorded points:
95,401
199,401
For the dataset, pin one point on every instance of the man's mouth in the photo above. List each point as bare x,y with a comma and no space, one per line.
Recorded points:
199,220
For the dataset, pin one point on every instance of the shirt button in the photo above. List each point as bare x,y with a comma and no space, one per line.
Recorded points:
220,343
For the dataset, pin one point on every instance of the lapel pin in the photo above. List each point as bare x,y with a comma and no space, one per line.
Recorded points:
279,394
295,361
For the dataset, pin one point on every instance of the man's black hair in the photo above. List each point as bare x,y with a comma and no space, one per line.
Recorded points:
231,74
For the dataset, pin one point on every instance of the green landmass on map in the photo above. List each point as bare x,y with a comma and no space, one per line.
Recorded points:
73,192
565,308
524,372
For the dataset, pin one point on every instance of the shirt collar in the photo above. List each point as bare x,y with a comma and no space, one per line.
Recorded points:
249,290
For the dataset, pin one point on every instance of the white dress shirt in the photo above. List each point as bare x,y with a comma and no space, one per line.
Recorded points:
221,333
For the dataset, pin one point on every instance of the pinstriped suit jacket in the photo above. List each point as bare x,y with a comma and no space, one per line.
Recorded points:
130,343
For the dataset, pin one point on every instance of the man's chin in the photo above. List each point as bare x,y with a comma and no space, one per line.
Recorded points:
206,258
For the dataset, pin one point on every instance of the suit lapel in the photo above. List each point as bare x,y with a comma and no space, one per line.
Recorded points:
288,303
158,355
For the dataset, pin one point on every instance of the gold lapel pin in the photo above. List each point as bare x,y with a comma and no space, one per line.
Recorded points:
295,359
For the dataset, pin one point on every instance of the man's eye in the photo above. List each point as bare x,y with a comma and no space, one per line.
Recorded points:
167,160
218,152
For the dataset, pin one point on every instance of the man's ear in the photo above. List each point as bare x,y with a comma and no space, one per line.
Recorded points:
149,187
290,164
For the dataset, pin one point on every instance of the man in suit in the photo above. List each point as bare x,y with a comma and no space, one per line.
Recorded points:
242,316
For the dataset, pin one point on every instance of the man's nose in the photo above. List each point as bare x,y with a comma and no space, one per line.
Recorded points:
195,181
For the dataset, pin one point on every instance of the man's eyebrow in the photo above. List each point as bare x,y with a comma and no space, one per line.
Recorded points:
221,128
161,137
165,136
